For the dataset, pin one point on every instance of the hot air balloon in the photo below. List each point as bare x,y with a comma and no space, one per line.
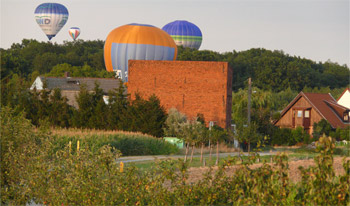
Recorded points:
51,17
138,42
74,32
184,33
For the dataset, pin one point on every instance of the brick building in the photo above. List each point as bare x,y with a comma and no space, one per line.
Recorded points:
192,87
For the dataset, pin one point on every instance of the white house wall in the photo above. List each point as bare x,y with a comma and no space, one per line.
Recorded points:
38,84
345,99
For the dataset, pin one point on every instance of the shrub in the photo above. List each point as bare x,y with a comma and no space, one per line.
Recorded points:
286,136
341,134
320,128
300,135
79,176
281,136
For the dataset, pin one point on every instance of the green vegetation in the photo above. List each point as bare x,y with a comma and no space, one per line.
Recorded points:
31,58
277,78
270,70
31,171
130,144
122,113
274,70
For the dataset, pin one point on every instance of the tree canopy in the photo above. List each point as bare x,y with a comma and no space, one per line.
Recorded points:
270,70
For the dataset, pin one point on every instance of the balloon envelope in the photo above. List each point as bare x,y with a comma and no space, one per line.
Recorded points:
51,17
184,33
74,32
138,42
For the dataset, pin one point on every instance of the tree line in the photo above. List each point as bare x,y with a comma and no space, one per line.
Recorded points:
120,113
270,70
277,79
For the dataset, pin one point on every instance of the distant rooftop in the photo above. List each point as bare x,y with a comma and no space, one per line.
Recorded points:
74,83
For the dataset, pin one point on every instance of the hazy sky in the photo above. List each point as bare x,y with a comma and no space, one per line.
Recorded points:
314,29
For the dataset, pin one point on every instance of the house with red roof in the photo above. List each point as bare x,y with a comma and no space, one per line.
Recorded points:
309,108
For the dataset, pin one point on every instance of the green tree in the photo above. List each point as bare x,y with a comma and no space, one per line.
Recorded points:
60,112
203,138
173,122
248,134
84,112
17,148
320,128
217,134
117,107
146,116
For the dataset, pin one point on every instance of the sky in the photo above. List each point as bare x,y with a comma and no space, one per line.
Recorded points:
312,29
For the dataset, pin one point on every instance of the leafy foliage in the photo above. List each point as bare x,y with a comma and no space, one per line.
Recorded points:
146,116
270,70
173,122
75,175
121,113
128,144
320,128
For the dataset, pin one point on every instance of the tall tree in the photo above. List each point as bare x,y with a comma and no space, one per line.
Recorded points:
146,116
117,105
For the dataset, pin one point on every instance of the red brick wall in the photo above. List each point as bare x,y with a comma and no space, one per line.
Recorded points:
191,87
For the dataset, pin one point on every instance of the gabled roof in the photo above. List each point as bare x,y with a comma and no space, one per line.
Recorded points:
74,83
325,105
347,89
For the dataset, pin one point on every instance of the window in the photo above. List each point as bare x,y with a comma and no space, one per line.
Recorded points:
346,117
307,114
300,113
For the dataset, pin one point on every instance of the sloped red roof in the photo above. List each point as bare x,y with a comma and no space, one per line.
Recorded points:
339,109
325,105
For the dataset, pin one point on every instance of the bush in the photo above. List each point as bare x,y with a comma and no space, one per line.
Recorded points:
341,134
19,145
320,128
288,137
33,173
281,136
300,135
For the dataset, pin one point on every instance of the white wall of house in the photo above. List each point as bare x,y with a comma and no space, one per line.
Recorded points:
345,99
38,84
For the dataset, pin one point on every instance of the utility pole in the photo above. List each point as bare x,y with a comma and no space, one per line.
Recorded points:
249,98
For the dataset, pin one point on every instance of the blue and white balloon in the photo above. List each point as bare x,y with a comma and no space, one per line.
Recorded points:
51,17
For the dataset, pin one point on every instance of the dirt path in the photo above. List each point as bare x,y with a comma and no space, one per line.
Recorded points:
196,174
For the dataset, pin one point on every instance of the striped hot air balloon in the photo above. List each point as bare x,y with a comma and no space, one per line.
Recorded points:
138,42
184,33
74,32
51,17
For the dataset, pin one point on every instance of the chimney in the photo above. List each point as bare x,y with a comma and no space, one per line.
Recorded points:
66,74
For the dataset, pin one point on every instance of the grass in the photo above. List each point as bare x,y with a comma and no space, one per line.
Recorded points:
301,153
195,162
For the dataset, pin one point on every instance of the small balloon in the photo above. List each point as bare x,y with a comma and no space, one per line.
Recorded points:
74,32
